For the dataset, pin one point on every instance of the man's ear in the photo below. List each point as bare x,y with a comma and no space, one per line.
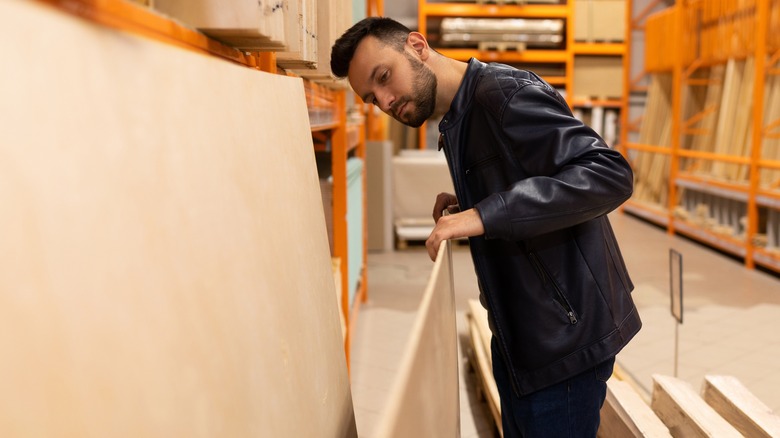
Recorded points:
417,42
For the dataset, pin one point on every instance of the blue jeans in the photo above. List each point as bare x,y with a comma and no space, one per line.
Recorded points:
567,409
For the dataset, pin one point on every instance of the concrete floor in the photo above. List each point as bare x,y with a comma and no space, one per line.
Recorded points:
729,321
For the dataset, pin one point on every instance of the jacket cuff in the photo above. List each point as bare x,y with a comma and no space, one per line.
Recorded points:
495,218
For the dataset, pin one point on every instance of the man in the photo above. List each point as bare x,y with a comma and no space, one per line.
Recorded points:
533,189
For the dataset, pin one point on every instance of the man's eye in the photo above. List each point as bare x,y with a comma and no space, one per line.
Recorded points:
384,76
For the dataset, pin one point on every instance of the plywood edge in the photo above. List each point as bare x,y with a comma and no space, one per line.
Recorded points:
684,412
735,403
484,373
625,413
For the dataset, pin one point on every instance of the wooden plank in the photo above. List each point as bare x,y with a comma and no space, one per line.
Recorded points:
425,397
479,316
726,115
483,369
771,146
729,397
625,414
706,141
741,140
684,412
334,17
245,24
146,287
304,22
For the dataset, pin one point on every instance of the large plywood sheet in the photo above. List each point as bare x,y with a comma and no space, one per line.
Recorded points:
165,267
424,400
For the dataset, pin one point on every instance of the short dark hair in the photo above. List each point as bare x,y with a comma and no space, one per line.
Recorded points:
384,29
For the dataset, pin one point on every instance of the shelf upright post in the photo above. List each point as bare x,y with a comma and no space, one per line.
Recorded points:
761,28
569,68
339,169
674,158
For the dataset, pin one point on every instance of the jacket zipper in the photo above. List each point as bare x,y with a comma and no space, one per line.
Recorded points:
481,163
560,298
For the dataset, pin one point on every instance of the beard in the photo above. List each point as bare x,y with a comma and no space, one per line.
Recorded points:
423,94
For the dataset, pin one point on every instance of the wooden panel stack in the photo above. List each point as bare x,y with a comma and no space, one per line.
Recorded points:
702,103
733,123
288,27
301,25
245,24
770,150
651,168
334,17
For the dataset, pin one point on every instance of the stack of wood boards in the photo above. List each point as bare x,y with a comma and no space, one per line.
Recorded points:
725,408
424,400
147,285
334,17
517,33
651,169
481,359
301,31
770,149
718,121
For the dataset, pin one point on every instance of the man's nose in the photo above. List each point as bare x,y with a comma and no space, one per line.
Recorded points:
386,101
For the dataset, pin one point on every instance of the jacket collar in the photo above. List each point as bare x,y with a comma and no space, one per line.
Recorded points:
462,100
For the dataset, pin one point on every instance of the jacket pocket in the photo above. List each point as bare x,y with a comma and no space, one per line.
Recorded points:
476,166
548,281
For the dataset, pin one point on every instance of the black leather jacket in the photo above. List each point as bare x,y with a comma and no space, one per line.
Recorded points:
551,274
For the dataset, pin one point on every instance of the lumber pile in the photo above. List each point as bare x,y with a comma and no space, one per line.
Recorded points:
685,412
300,31
481,360
651,169
626,414
740,407
725,407
770,149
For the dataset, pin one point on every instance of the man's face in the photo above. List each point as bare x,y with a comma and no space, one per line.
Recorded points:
398,83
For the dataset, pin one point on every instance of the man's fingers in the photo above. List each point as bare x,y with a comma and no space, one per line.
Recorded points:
432,244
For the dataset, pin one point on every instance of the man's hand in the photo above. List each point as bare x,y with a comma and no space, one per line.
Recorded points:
444,201
464,224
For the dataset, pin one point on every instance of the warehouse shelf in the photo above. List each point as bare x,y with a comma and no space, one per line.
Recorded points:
487,10
581,64
714,65
506,56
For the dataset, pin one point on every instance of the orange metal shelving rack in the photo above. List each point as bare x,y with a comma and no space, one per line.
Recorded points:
684,40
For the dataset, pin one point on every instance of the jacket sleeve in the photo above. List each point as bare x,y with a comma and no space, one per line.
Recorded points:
567,174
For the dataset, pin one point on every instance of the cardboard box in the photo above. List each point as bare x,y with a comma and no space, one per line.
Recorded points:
608,18
598,77
600,20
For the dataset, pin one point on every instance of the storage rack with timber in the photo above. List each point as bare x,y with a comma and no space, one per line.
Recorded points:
572,44
263,45
707,158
